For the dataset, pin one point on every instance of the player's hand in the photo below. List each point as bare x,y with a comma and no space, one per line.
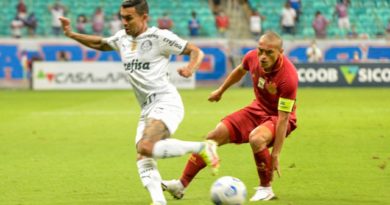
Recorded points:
275,166
215,96
65,23
185,72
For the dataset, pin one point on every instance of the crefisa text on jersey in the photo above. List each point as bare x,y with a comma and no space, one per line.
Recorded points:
172,43
135,64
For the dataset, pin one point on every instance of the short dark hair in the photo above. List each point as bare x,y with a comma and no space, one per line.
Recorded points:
141,6
273,36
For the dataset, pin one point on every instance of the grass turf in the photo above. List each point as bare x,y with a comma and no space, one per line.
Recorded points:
77,148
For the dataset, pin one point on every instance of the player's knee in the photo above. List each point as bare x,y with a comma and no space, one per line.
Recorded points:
257,141
145,148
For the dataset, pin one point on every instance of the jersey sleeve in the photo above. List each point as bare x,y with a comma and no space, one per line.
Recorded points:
246,61
288,94
170,43
113,41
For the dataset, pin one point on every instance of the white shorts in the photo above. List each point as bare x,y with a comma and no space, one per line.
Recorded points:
344,23
167,108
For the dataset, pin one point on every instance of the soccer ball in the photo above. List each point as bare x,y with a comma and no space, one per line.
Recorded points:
228,190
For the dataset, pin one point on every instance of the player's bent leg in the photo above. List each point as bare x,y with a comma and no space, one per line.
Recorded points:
151,179
220,134
174,148
155,143
194,164
154,131
259,138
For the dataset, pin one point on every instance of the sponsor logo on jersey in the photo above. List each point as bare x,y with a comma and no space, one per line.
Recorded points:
172,43
146,46
135,64
271,88
261,83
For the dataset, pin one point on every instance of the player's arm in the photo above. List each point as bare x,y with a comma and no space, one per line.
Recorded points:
235,76
95,42
196,58
285,107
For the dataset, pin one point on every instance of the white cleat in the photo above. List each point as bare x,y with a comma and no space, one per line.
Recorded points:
263,194
174,187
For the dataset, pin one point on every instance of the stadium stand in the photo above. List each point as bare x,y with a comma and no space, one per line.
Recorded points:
368,17
179,11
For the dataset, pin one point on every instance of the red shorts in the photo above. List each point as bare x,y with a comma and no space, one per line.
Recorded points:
241,123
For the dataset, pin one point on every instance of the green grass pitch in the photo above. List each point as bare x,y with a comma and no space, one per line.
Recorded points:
77,148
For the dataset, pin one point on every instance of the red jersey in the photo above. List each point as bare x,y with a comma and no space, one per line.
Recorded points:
222,22
282,82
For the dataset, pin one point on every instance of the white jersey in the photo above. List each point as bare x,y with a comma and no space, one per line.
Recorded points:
145,59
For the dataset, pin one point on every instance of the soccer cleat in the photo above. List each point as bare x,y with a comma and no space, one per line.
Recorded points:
174,187
210,155
263,194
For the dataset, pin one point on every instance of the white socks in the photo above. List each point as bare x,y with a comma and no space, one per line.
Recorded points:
173,148
151,179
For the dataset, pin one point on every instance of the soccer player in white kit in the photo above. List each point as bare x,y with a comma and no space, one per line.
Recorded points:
145,53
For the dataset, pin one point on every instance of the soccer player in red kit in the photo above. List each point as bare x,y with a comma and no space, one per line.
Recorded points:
264,123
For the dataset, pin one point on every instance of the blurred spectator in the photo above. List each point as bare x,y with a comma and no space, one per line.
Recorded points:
115,24
296,5
16,27
288,19
313,53
31,23
194,25
21,10
320,24
216,6
165,22
388,28
222,23
57,10
356,57
81,24
62,56
352,33
341,10
255,22
98,21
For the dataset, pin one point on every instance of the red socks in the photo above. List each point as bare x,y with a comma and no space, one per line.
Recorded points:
263,164
194,164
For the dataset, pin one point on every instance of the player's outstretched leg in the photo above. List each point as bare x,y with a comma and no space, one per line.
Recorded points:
207,156
177,187
173,148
